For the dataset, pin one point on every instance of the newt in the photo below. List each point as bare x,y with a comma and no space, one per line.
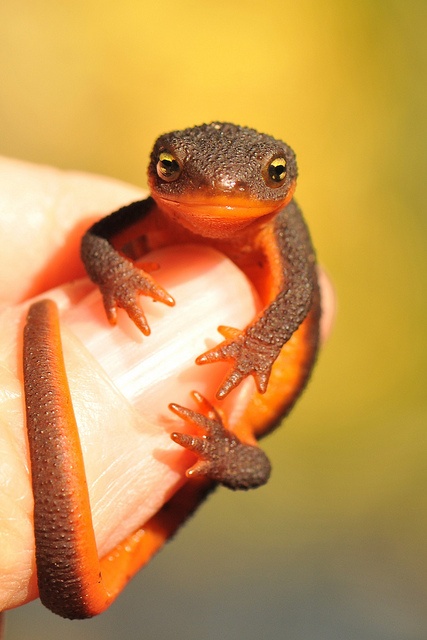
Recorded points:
230,188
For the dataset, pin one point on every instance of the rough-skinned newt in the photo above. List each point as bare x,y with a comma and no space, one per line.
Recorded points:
230,188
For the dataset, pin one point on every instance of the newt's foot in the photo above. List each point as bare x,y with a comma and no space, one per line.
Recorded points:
124,287
223,457
250,356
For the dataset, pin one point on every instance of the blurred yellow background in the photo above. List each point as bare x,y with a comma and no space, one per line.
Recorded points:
335,545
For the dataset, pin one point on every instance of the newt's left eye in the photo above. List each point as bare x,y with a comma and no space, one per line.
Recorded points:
168,167
276,172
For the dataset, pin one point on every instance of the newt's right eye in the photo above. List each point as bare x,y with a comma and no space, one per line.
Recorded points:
168,167
275,172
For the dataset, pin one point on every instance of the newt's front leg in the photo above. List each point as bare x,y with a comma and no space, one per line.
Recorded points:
292,268
119,280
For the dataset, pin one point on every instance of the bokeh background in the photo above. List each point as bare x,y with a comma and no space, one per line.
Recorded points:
336,545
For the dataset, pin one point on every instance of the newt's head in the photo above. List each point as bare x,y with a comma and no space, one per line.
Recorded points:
217,178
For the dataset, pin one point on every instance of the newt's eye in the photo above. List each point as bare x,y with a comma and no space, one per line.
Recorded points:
276,172
168,167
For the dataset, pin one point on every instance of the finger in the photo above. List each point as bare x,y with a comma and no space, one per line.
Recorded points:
121,384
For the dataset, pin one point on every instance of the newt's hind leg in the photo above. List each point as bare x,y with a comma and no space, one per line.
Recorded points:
223,457
72,581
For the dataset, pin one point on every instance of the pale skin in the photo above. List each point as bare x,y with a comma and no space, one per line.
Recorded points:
122,418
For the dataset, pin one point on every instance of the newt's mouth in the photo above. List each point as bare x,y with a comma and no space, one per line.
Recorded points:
225,205
219,215
215,217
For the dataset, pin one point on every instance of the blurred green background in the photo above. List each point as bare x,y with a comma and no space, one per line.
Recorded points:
335,545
